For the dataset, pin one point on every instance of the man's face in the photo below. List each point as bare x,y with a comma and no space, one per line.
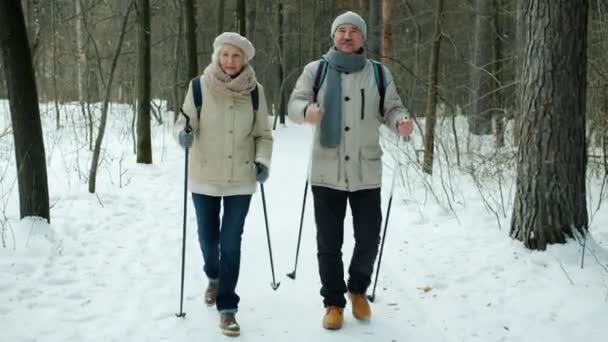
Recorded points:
348,38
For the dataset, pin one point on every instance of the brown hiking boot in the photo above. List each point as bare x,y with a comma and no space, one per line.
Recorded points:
333,317
211,294
361,309
229,325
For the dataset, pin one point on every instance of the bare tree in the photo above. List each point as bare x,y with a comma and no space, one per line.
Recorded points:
104,109
374,27
144,80
191,50
550,199
480,120
25,114
387,30
221,7
431,108
241,17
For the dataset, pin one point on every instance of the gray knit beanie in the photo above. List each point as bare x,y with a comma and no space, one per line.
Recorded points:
349,18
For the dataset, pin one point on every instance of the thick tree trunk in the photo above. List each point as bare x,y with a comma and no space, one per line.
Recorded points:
251,20
144,80
550,198
241,16
221,7
191,50
25,114
483,82
374,28
387,30
431,108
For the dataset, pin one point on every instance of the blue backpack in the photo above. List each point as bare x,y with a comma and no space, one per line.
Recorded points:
197,94
378,74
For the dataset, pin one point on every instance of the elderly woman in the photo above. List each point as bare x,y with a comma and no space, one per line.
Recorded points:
231,147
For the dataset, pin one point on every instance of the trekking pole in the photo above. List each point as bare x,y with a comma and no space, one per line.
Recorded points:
292,275
372,297
181,313
274,284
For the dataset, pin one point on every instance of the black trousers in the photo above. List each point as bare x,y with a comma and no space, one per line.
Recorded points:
330,210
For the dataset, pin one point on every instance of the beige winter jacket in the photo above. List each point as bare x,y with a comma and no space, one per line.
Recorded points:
356,164
228,139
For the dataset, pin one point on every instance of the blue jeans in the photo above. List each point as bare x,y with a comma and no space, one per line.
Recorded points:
221,246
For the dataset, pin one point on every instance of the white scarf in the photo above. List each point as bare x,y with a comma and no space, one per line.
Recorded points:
240,86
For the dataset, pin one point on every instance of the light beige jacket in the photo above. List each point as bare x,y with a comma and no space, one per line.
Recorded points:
228,139
356,164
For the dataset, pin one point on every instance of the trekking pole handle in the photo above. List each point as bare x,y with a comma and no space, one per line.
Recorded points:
188,128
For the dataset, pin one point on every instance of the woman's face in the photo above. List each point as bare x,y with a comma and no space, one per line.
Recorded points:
232,59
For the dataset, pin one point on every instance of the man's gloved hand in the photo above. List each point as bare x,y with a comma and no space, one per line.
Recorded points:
261,172
185,138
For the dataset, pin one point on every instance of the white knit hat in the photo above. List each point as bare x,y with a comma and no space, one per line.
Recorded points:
235,39
349,18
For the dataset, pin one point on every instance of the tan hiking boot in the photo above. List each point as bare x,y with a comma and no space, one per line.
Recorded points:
229,325
211,294
361,309
333,317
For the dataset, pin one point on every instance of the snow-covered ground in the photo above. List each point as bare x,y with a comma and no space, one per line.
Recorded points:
107,268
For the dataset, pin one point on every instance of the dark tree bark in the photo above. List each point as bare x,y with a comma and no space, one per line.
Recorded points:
241,16
374,27
483,83
191,51
251,20
431,108
221,7
144,80
25,114
387,30
550,198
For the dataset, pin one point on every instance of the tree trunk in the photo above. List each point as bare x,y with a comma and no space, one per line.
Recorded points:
282,63
251,18
550,198
387,30
241,17
483,84
520,46
374,27
431,108
104,108
25,114
191,51
54,57
177,49
144,80
498,114
221,7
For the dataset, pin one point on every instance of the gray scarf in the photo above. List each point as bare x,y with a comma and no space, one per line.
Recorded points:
331,122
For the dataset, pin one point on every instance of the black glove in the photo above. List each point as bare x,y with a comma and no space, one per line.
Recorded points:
261,172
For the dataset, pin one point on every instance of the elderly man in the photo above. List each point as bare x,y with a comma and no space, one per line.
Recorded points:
346,97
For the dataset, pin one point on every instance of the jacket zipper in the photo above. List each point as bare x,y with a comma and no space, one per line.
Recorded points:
362,103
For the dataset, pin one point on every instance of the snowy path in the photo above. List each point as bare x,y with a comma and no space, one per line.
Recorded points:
112,272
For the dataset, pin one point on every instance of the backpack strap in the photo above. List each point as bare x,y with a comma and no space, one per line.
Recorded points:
197,95
380,83
319,78
255,103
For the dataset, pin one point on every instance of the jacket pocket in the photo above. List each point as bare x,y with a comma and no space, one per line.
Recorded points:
371,165
325,165
243,165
